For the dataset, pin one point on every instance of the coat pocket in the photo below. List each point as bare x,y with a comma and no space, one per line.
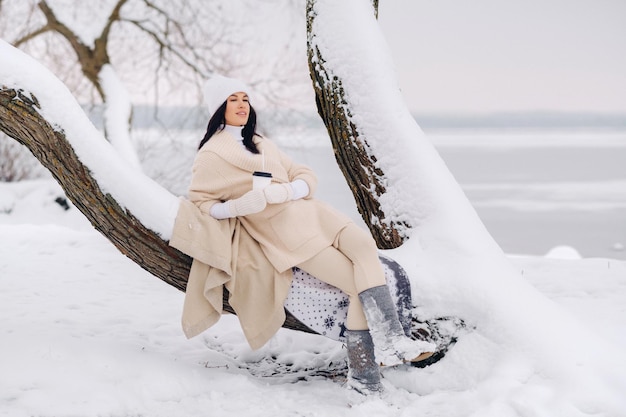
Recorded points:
296,224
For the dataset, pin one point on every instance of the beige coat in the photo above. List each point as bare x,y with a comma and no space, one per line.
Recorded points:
288,233
224,255
251,256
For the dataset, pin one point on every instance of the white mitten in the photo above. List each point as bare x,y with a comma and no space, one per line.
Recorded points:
278,193
250,203
220,211
300,189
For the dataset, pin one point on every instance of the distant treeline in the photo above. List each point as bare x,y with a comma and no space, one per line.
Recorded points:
180,117
554,120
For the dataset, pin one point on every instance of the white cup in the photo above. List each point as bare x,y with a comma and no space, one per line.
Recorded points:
260,180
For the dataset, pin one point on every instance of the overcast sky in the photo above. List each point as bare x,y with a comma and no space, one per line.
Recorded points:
494,55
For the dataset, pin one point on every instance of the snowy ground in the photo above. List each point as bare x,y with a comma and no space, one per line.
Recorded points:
85,332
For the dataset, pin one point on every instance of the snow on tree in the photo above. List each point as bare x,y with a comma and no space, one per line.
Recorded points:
411,202
455,266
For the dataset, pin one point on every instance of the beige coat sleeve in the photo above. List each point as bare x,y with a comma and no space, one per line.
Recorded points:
299,171
208,185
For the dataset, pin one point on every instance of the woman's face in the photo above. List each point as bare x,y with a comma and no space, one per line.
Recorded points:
237,109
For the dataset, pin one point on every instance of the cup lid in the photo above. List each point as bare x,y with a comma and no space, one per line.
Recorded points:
262,174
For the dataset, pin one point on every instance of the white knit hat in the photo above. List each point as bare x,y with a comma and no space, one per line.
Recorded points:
218,88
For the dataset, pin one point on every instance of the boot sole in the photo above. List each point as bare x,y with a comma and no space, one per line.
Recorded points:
425,357
432,357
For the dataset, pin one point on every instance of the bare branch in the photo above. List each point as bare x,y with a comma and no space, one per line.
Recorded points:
173,37
91,61
166,46
31,35
59,26
113,17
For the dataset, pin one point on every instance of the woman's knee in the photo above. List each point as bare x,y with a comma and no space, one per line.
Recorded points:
355,240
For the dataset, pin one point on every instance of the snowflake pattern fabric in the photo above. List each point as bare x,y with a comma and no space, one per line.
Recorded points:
324,308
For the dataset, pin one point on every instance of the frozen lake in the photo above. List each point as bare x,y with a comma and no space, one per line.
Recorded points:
541,194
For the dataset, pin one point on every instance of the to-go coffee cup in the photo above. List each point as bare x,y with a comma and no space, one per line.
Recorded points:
261,179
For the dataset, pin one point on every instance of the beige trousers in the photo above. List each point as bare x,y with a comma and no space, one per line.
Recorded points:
352,265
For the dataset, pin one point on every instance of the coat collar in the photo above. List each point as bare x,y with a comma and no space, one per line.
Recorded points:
229,149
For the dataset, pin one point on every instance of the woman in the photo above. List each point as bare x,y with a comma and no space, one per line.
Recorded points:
294,229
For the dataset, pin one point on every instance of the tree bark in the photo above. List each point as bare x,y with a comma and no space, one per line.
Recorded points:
20,119
358,165
375,5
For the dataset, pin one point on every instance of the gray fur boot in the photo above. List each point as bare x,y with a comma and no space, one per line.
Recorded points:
392,345
363,370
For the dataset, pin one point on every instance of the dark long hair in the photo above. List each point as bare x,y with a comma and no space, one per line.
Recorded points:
218,121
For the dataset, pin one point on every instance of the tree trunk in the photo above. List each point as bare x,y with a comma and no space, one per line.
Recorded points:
20,119
357,163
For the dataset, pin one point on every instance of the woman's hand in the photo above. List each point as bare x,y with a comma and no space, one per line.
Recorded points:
278,193
250,203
